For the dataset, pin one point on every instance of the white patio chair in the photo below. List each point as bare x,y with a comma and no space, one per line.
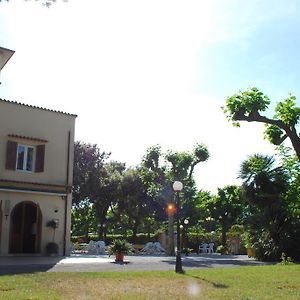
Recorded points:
203,248
210,248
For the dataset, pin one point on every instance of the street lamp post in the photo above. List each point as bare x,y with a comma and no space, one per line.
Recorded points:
178,186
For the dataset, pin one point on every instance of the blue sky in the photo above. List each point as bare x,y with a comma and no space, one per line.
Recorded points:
140,73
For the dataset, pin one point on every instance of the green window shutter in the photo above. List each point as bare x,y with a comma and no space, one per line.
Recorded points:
40,158
11,155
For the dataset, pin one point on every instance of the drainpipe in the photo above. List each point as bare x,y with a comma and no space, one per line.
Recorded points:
66,198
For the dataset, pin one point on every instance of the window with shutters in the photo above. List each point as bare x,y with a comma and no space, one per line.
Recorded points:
23,157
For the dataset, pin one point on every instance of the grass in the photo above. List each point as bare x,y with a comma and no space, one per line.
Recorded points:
261,282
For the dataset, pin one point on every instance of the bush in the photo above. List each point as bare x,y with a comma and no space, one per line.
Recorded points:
141,238
222,249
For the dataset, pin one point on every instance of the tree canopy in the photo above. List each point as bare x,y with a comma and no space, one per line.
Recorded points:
249,105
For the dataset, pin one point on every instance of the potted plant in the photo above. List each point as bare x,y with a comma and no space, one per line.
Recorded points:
52,247
119,248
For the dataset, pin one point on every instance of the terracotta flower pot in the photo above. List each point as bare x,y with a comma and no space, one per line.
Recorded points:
119,257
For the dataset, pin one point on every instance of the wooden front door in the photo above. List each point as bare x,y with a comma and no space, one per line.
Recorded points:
25,228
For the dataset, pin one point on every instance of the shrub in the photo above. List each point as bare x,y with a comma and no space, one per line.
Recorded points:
119,246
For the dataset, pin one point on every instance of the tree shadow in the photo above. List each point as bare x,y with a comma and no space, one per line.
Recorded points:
24,269
214,284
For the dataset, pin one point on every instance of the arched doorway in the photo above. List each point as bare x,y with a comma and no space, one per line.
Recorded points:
25,228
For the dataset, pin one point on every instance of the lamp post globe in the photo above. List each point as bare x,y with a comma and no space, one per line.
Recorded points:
177,186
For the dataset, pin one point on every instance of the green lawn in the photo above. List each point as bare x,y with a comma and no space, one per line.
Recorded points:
261,282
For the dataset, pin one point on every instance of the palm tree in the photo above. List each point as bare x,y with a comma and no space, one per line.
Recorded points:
263,187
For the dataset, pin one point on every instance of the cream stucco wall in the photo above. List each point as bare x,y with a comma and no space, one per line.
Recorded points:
38,123
56,128
51,206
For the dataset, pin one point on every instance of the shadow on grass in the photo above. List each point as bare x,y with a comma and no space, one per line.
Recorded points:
24,269
211,262
214,284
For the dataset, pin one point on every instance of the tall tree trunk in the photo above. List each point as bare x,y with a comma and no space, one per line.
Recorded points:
101,232
224,231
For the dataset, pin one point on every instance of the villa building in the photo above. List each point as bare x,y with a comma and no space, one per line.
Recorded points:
36,168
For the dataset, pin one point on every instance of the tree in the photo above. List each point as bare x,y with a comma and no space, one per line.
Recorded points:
88,164
109,192
248,105
159,178
181,167
88,171
134,202
264,188
226,207
83,218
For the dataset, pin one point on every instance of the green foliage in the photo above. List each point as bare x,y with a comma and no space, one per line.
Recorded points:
119,246
88,164
159,171
187,251
222,249
247,106
96,188
83,218
225,207
197,238
287,112
286,260
274,134
133,201
274,226
201,153
245,103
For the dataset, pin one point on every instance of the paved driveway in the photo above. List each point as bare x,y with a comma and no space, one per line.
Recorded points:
103,263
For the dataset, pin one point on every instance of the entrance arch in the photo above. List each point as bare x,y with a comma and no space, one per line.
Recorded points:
25,228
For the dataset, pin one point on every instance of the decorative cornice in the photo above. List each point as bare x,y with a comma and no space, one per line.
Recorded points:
15,185
27,138
61,186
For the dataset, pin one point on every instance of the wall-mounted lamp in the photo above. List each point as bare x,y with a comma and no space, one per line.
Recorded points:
6,208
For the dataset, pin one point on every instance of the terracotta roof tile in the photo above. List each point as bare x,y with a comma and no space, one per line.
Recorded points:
37,107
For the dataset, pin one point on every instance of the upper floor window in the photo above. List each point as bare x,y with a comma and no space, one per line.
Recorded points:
25,158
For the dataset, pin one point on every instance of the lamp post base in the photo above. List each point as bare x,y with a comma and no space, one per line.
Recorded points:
178,266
